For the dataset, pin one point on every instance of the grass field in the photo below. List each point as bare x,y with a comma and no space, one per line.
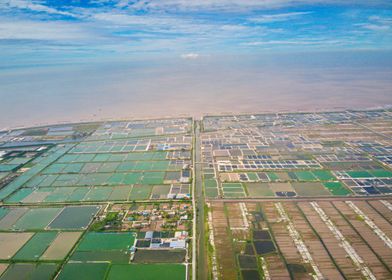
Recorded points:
108,247
234,186
310,189
305,176
210,183
337,188
252,176
323,175
233,194
272,176
78,194
160,191
36,218
147,272
61,245
381,173
38,195
97,241
258,189
85,271
359,174
34,248
140,192
281,187
210,186
112,256
130,178
12,217
98,194
60,194
19,195
30,271
233,190
159,256
211,192
120,193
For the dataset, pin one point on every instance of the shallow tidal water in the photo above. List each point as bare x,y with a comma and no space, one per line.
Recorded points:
45,94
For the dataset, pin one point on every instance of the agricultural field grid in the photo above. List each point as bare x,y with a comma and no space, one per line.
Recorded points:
256,196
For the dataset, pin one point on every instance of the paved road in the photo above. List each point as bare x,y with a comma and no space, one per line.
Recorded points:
202,268
194,235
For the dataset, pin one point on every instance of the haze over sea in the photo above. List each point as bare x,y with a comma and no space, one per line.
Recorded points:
101,60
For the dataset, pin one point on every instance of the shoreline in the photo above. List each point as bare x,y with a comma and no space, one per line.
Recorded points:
194,117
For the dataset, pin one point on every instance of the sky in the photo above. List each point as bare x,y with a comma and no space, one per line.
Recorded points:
173,49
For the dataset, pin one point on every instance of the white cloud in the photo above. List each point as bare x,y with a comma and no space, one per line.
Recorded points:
377,23
122,3
120,27
238,5
381,19
33,6
33,30
123,19
190,56
232,27
375,27
278,17
162,24
320,41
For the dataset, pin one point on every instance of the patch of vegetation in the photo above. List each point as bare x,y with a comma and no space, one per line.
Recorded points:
111,221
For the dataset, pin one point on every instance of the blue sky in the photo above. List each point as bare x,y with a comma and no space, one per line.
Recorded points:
42,31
